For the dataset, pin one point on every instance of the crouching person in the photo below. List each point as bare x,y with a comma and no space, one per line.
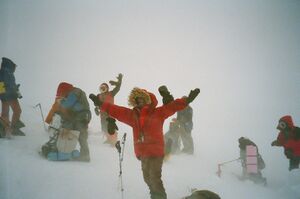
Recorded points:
252,162
72,105
289,139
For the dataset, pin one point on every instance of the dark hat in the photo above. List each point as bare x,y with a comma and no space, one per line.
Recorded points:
7,63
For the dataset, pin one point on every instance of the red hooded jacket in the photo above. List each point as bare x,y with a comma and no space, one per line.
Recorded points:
147,124
289,139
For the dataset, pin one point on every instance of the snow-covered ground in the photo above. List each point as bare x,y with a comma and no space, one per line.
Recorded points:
243,55
25,174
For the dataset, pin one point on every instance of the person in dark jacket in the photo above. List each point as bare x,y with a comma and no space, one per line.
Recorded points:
106,95
73,101
185,119
147,121
289,139
9,94
171,137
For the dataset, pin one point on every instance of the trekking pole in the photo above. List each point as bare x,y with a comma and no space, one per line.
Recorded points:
223,163
121,155
41,110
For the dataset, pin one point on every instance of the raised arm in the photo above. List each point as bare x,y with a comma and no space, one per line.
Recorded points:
117,84
120,113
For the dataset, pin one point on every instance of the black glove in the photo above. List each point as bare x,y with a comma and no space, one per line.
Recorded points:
111,125
95,99
19,95
114,83
164,92
193,94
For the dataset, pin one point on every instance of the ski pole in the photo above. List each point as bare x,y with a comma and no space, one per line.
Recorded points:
41,110
121,155
223,163
123,143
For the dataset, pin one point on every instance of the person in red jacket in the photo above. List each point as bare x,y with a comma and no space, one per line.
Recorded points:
147,122
289,139
106,95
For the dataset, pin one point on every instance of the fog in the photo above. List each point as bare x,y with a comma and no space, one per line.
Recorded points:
243,55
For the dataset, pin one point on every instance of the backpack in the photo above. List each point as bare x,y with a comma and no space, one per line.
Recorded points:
62,143
67,140
2,83
82,99
2,88
85,114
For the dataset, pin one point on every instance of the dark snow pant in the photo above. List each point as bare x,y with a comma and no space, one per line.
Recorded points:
294,163
187,141
84,147
15,106
152,167
172,143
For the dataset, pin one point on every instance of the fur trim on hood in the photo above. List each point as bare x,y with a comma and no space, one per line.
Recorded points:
138,92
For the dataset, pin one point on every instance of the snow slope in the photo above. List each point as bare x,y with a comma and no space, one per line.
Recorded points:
25,174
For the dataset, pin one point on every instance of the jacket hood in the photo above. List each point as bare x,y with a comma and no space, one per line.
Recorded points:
150,98
243,142
63,89
154,101
7,64
288,120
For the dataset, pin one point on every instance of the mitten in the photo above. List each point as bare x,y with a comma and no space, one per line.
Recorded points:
96,100
114,83
164,92
192,95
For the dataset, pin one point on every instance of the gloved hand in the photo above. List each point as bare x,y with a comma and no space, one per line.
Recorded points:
164,92
192,95
111,125
97,110
114,83
273,143
96,100
120,77
19,95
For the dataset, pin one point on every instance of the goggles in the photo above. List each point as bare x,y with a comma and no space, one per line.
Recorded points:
282,125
